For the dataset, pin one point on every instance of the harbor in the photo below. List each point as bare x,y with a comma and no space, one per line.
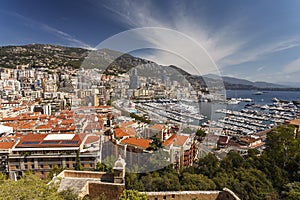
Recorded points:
264,111
243,114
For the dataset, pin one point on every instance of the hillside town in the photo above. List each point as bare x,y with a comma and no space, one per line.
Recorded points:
77,119
45,123
125,109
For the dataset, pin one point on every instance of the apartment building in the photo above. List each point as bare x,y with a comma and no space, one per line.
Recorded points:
40,153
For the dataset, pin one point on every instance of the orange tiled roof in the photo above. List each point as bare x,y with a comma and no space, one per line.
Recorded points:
180,140
14,126
43,116
157,126
6,145
120,133
295,121
9,119
170,140
37,141
67,121
130,131
44,126
92,139
138,142
34,137
64,128
125,124
29,125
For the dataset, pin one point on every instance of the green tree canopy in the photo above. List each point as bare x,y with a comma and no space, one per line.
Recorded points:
292,191
28,187
196,182
132,195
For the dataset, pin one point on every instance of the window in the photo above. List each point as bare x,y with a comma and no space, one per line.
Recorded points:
173,196
165,197
32,166
42,166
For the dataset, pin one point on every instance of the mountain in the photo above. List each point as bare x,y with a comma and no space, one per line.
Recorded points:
114,62
41,55
291,84
236,83
106,60
258,84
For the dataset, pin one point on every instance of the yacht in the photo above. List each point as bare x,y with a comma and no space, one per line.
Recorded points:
258,93
233,101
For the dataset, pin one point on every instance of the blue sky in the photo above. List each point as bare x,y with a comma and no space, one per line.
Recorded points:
256,40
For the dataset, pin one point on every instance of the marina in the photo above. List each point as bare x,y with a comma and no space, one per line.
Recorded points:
263,112
244,113
178,112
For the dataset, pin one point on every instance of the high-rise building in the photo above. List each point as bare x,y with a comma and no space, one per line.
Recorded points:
134,79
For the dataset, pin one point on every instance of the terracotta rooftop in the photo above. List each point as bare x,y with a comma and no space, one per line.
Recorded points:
130,131
295,122
126,124
180,140
8,119
157,126
170,140
44,127
120,133
30,125
55,140
67,121
92,139
137,142
6,145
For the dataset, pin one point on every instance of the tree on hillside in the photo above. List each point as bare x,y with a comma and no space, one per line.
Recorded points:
208,165
200,134
28,187
132,195
155,145
291,191
282,144
282,152
196,182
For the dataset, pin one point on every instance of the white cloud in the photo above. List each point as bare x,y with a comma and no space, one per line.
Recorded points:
260,68
58,33
64,36
226,45
216,46
259,51
292,67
